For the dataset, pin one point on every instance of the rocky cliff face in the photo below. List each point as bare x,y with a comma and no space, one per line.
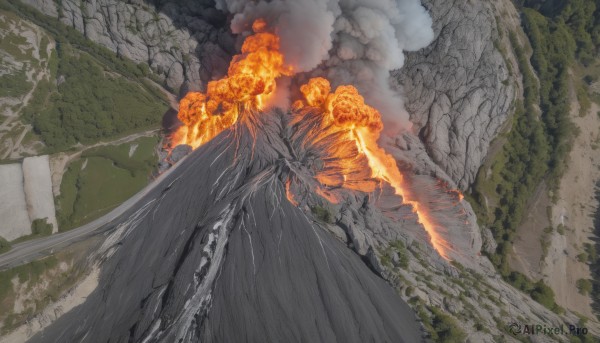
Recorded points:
183,41
458,89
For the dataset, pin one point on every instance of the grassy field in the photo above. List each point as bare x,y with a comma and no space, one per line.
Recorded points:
103,178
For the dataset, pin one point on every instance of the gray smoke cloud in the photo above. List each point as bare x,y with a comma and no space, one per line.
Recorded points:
354,42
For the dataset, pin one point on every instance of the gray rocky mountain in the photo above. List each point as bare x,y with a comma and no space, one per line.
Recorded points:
219,252
458,89
183,41
193,264
228,248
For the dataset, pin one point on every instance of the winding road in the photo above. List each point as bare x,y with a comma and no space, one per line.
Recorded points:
33,249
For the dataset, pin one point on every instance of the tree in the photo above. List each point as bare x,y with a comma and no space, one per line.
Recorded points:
41,227
4,245
584,286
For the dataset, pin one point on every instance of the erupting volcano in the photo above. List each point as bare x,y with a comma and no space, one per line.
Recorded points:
273,228
251,82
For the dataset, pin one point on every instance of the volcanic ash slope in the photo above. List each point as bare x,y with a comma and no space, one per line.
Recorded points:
218,253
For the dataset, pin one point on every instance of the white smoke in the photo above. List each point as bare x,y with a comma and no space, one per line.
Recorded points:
354,42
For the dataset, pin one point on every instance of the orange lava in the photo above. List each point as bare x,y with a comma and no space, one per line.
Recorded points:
289,195
249,83
346,109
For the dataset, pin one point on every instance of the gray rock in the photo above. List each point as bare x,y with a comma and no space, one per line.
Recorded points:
352,224
452,305
217,253
47,7
457,89
422,295
179,152
489,243
163,166
395,258
173,38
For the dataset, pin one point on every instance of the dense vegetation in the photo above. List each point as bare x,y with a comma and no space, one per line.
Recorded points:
41,227
442,327
92,94
90,103
14,85
582,17
4,245
553,52
538,143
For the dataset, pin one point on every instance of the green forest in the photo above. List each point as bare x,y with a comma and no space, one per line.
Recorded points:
582,17
93,94
536,148
89,103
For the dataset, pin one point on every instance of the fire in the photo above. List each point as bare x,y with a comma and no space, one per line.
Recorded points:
249,84
346,109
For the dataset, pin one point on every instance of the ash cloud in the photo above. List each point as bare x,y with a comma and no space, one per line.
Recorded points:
354,42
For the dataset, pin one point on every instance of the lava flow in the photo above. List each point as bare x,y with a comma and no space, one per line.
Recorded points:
251,81
346,109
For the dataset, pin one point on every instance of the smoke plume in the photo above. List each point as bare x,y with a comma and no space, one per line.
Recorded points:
355,42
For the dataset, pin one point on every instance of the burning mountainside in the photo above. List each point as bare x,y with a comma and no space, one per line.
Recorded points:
226,248
251,83
345,109
216,253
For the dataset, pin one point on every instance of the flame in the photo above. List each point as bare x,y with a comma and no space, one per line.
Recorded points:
249,84
346,109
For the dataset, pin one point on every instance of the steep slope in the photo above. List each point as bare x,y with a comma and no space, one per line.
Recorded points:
227,249
183,41
459,89
220,254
